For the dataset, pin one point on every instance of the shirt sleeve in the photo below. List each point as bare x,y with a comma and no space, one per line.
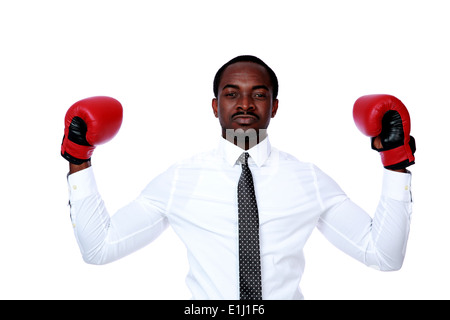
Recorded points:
103,238
379,242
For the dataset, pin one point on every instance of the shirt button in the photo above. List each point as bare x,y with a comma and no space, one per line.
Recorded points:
74,187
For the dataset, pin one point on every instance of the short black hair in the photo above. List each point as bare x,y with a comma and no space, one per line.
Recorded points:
246,58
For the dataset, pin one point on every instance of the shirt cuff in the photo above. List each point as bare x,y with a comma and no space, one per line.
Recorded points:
397,185
81,184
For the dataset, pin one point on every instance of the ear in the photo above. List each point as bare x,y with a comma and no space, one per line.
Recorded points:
274,107
214,107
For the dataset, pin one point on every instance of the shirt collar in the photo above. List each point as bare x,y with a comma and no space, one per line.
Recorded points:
258,153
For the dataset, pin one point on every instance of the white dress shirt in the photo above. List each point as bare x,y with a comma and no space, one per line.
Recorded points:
197,197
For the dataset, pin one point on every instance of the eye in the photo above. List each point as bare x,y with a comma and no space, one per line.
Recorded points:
260,95
230,94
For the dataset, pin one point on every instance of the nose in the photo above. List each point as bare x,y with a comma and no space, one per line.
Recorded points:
246,103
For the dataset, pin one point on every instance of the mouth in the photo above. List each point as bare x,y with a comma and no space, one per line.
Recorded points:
245,118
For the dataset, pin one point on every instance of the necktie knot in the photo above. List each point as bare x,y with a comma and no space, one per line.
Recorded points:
243,158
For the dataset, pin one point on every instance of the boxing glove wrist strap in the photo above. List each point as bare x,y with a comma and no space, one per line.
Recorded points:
75,153
401,157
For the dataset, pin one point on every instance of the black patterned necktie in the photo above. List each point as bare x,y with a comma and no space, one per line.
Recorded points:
249,259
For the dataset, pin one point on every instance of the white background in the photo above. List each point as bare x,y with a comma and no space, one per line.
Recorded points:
158,58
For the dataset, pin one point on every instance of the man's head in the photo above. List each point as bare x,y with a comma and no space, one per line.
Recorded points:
245,91
246,58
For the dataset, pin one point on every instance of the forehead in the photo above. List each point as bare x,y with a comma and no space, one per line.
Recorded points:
245,72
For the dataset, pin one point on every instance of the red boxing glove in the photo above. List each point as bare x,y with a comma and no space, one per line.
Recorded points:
387,117
88,123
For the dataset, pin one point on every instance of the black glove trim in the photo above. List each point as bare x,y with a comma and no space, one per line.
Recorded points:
72,159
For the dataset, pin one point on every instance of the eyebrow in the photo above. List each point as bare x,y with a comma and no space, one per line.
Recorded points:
260,87
253,88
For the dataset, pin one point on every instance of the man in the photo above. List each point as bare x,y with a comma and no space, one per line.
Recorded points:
198,196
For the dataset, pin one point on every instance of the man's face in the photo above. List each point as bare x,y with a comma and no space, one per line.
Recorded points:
245,98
